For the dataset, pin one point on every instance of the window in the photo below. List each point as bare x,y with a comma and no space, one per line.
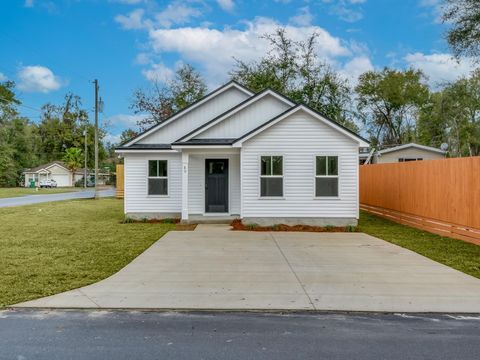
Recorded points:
409,159
326,176
157,177
271,176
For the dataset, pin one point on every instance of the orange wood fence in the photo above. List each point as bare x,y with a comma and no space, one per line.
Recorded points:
120,181
440,196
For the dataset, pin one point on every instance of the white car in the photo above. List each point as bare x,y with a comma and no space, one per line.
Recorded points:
48,184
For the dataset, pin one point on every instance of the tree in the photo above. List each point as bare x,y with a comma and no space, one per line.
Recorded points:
161,101
294,69
126,135
388,103
464,34
73,159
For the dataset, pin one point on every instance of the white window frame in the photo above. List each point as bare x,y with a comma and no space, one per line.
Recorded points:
280,197
315,176
158,177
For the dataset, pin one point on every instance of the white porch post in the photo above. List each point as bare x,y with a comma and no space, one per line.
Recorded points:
184,186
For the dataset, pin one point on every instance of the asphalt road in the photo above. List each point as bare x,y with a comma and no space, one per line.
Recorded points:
35,199
154,335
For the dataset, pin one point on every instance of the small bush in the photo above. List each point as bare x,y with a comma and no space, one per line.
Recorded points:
251,226
168,221
276,227
329,227
350,228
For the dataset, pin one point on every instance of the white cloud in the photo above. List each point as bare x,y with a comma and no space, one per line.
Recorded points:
356,67
440,68
124,120
3,77
38,79
158,73
133,20
112,139
176,13
142,59
303,18
347,10
226,5
215,49
436,7
28,3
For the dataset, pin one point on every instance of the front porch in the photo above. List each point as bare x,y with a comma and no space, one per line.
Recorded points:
210,185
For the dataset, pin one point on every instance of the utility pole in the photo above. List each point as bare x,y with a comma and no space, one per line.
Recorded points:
96,138
85,171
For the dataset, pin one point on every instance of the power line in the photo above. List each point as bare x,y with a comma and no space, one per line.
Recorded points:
22,105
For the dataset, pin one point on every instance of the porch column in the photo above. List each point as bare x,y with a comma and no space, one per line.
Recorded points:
184,186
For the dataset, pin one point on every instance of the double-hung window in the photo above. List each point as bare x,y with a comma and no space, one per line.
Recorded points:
326,176
271,176
157,177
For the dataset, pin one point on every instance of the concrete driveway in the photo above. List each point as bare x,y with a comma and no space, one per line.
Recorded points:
42,198
214,268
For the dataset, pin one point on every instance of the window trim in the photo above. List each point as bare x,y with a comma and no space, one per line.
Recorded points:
260,176
158,177
315,176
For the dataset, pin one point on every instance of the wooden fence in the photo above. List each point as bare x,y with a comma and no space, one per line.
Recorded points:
120,181
440,196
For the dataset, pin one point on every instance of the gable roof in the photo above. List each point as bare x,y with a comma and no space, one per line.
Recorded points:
412,145
332,123
46,166
225,115
185,110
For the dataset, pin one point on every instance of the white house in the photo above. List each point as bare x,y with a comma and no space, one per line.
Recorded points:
408,152
55,170
259,157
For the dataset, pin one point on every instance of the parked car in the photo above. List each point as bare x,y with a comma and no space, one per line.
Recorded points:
48,184
90,182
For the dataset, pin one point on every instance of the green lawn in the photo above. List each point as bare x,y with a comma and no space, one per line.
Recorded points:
53,247
18,191
457,254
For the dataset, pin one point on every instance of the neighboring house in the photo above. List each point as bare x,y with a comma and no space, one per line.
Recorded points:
55,170
408,152
259,157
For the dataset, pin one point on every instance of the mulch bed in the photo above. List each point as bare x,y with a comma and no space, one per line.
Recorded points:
237,224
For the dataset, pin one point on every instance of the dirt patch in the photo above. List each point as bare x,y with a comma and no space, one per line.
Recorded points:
237,224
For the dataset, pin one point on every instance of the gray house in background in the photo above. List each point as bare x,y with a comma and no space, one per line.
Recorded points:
402,153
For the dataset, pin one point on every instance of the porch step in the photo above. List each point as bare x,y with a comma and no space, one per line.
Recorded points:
201,219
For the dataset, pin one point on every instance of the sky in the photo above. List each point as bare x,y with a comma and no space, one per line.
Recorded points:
50,47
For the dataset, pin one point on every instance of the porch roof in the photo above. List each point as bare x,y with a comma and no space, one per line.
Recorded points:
205,142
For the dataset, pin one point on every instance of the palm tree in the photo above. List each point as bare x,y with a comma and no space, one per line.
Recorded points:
73,159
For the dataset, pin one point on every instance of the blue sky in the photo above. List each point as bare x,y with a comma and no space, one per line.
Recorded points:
52,47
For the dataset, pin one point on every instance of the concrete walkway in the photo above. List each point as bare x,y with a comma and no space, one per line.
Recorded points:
214,268
41,198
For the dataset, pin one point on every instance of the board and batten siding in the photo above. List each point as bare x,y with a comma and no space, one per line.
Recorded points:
196,182
246,119
137,199
195,118
299,138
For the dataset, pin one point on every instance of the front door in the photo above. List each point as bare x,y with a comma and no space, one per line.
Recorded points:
216,185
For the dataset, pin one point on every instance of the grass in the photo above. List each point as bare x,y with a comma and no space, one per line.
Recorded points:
18,191
457,254
53,247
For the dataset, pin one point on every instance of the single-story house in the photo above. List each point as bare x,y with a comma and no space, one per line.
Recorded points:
401,153
236,154
55,170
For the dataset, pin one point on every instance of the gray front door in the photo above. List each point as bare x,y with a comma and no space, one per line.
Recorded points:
216,185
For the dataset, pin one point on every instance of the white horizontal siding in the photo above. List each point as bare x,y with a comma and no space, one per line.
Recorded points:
246,119
195,118
137,199
299,138
196,182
